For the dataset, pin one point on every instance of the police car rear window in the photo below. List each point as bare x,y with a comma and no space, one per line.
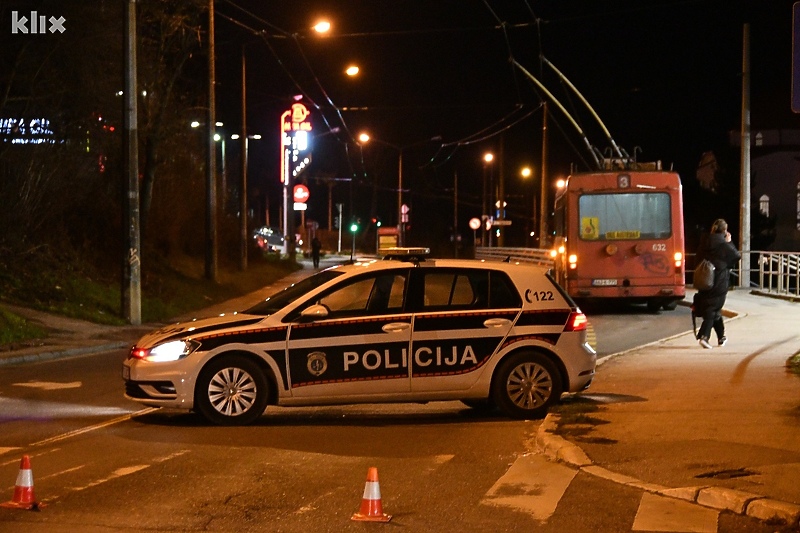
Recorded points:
468,289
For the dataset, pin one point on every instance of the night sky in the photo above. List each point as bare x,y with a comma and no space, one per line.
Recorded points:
663,75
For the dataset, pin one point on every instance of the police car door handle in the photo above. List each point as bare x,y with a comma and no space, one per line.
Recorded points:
395,327
497,322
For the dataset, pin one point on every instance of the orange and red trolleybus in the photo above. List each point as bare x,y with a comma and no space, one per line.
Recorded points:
619,236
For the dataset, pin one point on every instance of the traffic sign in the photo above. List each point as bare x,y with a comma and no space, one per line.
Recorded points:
501,222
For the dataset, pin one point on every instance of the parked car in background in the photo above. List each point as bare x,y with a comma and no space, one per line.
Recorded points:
269,239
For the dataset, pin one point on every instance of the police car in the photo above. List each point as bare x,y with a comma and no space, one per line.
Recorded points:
409,330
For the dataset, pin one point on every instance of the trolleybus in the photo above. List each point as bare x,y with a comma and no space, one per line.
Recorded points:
619,235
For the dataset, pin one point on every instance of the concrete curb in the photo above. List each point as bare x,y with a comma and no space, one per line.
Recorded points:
556,448
62,354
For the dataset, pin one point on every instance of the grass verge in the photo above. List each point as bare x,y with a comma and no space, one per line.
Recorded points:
67,285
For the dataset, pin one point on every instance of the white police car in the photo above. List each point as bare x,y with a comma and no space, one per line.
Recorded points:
415,330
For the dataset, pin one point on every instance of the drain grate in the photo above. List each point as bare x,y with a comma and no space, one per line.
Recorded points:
728,474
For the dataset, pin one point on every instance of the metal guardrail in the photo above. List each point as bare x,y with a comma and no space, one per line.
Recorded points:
775,273
523,255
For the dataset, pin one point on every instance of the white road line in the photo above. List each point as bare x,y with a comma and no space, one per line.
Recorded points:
532,485
31,455
6,450
658,513
87,429
67,471
119,472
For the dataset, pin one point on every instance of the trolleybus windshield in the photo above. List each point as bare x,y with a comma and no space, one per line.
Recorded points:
619,216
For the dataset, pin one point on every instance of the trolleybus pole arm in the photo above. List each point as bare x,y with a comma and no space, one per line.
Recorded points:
588,106
561,107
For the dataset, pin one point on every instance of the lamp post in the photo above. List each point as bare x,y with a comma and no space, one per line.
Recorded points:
526,173
488,157
365,138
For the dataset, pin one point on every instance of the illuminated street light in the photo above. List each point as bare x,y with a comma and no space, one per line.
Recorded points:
323,26
352,70
488,157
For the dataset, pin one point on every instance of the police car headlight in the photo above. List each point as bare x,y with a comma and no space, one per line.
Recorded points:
163,353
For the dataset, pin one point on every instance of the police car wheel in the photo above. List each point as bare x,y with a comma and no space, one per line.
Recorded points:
231,390
526,384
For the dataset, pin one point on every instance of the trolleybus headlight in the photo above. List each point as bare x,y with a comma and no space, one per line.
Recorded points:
553,253
611,249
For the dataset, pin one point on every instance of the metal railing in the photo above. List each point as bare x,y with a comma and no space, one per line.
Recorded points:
523,255
776,273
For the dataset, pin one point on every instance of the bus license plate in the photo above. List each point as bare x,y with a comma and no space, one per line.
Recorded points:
604,282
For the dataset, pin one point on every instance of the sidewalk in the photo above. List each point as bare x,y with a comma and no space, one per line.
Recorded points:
73,337
717,427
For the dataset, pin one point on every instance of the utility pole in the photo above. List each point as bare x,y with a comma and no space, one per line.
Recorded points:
131,277
455,214
744,211
243,240
501,193
211,156
543,208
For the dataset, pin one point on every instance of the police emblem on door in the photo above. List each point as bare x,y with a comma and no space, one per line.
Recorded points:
317,363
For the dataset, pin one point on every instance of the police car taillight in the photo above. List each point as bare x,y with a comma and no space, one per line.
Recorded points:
577,322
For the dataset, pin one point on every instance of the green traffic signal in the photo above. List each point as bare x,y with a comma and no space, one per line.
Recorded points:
353,227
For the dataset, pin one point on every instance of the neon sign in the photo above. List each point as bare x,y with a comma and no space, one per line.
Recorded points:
23,131
295,126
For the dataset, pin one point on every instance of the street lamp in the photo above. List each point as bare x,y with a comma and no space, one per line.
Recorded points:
402,215
488,157
323,26
526,173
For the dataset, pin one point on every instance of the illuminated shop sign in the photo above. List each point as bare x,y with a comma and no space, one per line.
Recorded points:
24,131
295,128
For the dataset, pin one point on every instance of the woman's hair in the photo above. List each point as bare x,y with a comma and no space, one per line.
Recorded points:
719,226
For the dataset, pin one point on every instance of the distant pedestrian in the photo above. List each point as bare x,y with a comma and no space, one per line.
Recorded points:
717,248
315,248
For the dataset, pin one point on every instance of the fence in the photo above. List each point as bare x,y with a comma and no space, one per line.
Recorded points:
523,255
776,273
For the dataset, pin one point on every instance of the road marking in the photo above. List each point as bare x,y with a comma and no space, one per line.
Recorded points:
67,471
532,485
101,425
6,450
119,472
49,385
658,513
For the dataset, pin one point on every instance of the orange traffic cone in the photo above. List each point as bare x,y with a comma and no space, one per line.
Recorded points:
371,508
23,490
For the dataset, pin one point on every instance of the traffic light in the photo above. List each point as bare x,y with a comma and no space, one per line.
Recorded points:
353,227
376,221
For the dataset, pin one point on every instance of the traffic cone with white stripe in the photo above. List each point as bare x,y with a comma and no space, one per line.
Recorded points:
23,490
371,507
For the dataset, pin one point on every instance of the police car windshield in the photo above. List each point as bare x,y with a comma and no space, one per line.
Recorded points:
278,301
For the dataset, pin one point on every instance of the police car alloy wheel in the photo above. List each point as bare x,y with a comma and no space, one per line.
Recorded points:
231,390
526,385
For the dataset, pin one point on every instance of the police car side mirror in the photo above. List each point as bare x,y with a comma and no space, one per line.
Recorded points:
314,312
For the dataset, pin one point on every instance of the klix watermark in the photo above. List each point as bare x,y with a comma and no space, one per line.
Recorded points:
37,23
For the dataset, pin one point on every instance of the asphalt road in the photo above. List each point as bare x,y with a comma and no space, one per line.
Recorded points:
101,463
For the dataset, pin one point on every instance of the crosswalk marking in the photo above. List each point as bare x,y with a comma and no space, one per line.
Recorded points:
533,485
658,513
